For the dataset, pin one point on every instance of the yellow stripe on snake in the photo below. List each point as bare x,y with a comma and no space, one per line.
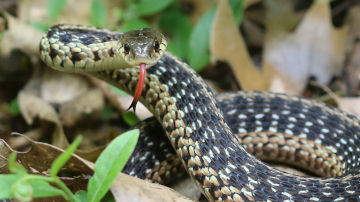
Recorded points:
271,126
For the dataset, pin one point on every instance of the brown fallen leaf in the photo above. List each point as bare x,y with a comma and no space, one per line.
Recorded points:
352,60
14,37
247,3
277,23
18,141
80,108
349,105
5,151
128,188
38,159
33,107
120,102
92,154
40,156
188,188
74,12
227,44
353,20
280,84
200,7
280,15
316,48
6,120
58,88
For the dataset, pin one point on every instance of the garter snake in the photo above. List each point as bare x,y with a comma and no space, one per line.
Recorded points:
277,126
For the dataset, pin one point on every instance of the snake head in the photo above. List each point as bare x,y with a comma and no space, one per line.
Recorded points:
144,46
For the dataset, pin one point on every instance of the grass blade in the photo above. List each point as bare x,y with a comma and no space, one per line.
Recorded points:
111,161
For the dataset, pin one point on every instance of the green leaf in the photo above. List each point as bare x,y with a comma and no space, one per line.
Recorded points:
149,7
64,157
117,90
14,166
130,118
40,25
110,162
199,53
238,10
177,25
82,195
22,190
32,188
133,24
130,11
199,41
6,183
118,13
55,7
106,113
14,107
98,13
44,189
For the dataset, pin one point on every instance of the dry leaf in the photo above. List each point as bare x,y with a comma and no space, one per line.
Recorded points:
40,156
74,12
252,24
6,120
19,142
14,37
227,44
5,151
200,7
281,85
121,102
91,155
352,61
188,188
128,188
280,15
33,107
350,105
353,19
58,87
38,160
247,3
316,48
80,108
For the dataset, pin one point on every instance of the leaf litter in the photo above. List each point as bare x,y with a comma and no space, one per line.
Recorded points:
53,104
315,48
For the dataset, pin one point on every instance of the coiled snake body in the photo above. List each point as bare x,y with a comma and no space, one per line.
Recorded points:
272,126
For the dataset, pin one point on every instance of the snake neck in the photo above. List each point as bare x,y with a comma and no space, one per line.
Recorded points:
185,107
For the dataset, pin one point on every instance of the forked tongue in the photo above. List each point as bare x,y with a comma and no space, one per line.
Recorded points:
139,86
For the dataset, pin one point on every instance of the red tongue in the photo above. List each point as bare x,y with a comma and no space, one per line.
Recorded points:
139,86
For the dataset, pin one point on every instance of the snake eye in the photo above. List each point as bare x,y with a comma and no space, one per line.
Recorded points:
156,46
127,48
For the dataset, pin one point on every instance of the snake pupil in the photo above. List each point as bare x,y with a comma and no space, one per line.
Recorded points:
156,46
127,48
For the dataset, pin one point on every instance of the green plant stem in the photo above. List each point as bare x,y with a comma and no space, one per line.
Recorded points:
68,194
59,183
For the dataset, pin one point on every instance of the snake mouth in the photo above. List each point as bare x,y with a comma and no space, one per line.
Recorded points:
136,61
139,86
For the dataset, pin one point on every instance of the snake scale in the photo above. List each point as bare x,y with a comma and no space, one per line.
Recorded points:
271,126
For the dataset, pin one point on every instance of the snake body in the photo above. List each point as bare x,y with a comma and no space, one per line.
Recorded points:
270,125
